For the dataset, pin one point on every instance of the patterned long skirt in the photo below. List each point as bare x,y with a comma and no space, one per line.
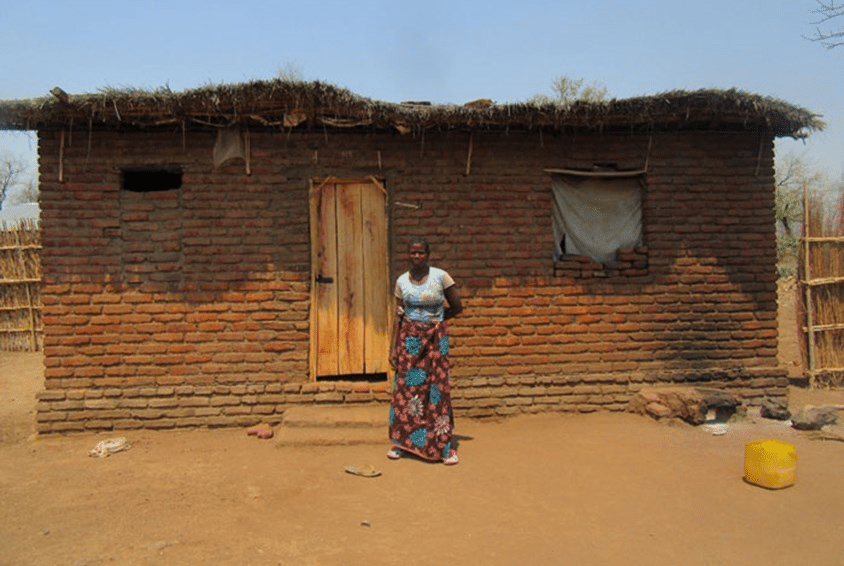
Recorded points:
421,420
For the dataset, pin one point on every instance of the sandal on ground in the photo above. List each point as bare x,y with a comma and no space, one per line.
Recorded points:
366,470
452,458
394,454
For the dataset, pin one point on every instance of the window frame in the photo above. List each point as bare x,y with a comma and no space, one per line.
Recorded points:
630,261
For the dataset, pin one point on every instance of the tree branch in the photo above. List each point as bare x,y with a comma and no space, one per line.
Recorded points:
10,171
827,12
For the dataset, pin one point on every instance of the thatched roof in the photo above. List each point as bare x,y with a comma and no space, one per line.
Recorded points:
283,104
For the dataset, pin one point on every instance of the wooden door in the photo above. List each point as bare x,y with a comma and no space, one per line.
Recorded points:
350,297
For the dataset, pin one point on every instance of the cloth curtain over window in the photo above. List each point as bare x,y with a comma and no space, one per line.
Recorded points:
595,216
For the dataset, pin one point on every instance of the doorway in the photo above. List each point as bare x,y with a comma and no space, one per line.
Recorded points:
350,290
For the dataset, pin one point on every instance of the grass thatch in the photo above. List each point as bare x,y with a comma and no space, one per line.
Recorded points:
275,104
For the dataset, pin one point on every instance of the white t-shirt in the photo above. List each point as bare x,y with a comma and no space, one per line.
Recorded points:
423,302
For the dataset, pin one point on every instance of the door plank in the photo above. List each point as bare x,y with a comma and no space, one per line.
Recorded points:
350,308
327,358
376,280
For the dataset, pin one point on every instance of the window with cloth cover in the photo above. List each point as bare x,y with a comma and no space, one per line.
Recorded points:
594,216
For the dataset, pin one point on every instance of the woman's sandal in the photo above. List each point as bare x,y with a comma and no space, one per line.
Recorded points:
452,458
394,454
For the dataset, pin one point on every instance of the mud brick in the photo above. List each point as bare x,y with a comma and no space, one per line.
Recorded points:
136,403
227,400
303,398
165,402
67,426
329,397
100,404
161,423
127,424
51,416
50,395
359,397
264,409
237,410
207,411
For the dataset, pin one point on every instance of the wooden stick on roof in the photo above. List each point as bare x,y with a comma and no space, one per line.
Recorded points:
60,94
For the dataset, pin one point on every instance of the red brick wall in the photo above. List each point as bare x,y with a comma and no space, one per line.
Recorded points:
190,307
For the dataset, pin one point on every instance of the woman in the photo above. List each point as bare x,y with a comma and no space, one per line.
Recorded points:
421,420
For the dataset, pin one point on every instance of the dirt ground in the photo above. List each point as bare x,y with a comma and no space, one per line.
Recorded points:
550,489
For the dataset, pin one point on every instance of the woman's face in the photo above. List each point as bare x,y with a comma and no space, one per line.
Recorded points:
418,255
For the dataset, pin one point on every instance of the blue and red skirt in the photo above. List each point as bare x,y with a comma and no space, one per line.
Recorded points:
421,419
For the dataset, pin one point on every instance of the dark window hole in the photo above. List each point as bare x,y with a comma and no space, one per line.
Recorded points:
150,179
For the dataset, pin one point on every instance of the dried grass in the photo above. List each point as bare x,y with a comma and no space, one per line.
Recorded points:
265,104
824,272
20,287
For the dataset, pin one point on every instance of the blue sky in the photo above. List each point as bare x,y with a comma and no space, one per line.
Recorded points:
442,51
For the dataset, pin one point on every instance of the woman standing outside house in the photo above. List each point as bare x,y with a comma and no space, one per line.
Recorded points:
421,420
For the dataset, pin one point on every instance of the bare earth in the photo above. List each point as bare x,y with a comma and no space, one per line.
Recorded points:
549,489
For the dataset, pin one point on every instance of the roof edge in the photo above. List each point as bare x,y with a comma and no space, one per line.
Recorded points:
284,105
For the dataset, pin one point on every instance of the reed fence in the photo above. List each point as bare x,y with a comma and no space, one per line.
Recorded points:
822,279
21,327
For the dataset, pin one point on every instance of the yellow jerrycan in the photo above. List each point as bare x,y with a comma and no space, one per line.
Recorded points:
770,463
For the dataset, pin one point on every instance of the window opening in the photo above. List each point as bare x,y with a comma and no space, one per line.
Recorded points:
149,179
594,216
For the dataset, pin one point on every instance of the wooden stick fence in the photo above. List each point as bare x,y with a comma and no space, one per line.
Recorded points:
822,279
21,328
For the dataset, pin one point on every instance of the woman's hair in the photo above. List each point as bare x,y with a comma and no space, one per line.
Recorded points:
419,240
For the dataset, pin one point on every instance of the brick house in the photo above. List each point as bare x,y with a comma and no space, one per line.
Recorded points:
214,257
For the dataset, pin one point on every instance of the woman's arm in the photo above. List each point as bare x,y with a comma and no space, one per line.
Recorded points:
455,307
394,350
